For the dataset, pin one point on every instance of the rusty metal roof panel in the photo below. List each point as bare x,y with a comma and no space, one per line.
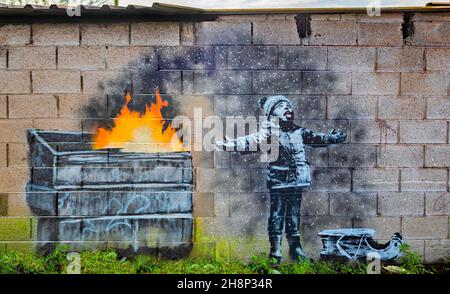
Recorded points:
60,9
176,10
106,13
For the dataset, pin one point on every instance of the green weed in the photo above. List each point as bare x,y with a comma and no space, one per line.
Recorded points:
109,262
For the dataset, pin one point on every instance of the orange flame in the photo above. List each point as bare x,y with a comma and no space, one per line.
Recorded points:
135,132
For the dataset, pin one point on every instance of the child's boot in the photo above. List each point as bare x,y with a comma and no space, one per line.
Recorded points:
275,248
295,249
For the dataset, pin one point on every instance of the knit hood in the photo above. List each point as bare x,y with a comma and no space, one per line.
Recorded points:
268,103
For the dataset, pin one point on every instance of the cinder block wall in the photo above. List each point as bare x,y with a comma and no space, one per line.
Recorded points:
384,80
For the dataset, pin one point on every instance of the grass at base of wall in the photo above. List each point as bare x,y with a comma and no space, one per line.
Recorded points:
109,262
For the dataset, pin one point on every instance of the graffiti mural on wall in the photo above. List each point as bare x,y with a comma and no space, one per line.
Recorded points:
85,94
133,185
136,200
129,185
288,174
354,244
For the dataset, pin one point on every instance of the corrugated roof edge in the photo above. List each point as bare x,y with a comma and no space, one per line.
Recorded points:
169,9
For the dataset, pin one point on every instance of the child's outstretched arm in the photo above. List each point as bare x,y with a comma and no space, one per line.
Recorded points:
323,139
243,144
247,143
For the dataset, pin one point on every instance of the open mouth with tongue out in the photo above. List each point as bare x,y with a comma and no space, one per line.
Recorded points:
288,114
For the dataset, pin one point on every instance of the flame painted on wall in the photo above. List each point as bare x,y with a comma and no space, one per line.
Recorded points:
135,132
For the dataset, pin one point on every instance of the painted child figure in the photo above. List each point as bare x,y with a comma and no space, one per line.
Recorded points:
289,173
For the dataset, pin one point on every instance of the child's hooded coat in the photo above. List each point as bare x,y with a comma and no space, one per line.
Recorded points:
291,168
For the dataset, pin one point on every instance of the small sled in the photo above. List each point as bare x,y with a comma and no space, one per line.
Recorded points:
356,244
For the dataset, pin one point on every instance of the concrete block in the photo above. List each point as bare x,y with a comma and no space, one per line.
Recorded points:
400,59
401,107
357,205
438,59
104,34
56,81
81,57
32,106
302,58
333,33
437,251
56,34
222,82
375,180
352,155
437,203
15,82
437,156
351,59
223,33
254,57
430,131
380,34
187,57
376,83
377,131
438,108
155,33
276,32
32,57
431,33
326,83
277,82
424,83
401,203
413,179
351,107
430,227
15,34
400,156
